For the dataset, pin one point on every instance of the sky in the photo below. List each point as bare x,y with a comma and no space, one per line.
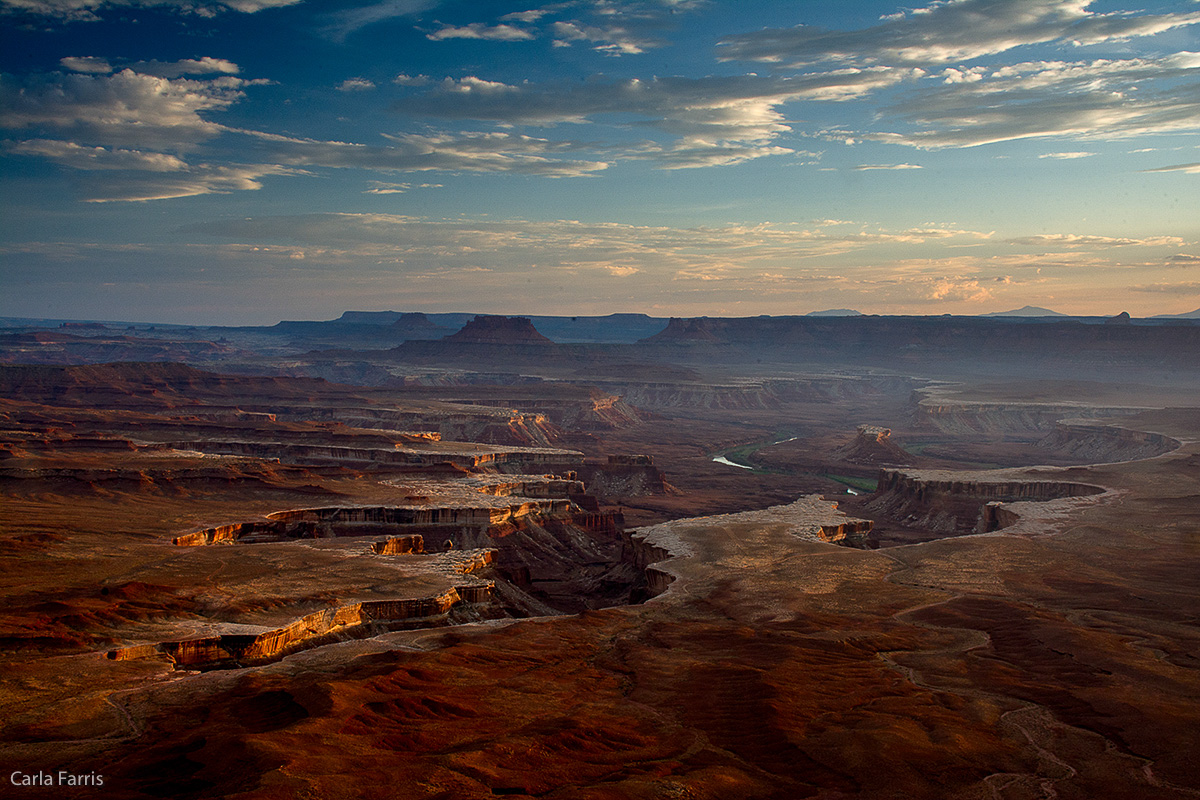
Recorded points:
250,161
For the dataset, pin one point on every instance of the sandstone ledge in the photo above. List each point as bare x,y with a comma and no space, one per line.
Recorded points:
811,518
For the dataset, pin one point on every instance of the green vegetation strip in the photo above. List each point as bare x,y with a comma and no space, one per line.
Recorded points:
865,484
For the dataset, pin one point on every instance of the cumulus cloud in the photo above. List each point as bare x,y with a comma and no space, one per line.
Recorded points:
130,121
92,64
160,69
949,31
404,79
614,40
1185,259
356,85
526,16
119,121
126,110
477,30
188,66
957,289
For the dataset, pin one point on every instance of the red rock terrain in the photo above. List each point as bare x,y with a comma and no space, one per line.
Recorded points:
309,647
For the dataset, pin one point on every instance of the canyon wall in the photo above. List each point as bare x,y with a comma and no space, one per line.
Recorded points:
1105,443
961,502
252,648
335,521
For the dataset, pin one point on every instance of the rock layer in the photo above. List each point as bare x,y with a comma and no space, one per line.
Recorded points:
961,502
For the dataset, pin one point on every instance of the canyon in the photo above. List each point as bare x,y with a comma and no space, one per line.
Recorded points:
397,555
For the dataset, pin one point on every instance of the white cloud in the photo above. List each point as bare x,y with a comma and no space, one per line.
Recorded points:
1186,289
949,31
887,166
972,75
197,180
614,40
116,121
714,109
410,80
356,85
159,69
731,249
1076,240
1067,156
344,23
99,66
1102,99
70,154
1193,168
472,84
383,187
696,154
477,30
188,66
87,10
957,289
447,152
525,16
124,110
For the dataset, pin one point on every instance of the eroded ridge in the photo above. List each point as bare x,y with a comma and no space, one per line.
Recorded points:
549,553
466,508
235,644
953,502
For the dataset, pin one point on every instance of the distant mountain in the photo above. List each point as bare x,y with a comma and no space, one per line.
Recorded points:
1189,315
370,317
1027,311
494,329
835,312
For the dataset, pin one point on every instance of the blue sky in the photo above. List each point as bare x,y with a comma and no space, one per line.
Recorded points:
247,161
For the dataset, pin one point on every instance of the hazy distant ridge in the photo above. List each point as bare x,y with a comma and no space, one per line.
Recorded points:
1026,311
1188,315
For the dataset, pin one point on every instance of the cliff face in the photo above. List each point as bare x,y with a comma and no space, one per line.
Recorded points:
1106,443
696,329
969,418
625,476
955,503
340,622
750,395
322,523
490,329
